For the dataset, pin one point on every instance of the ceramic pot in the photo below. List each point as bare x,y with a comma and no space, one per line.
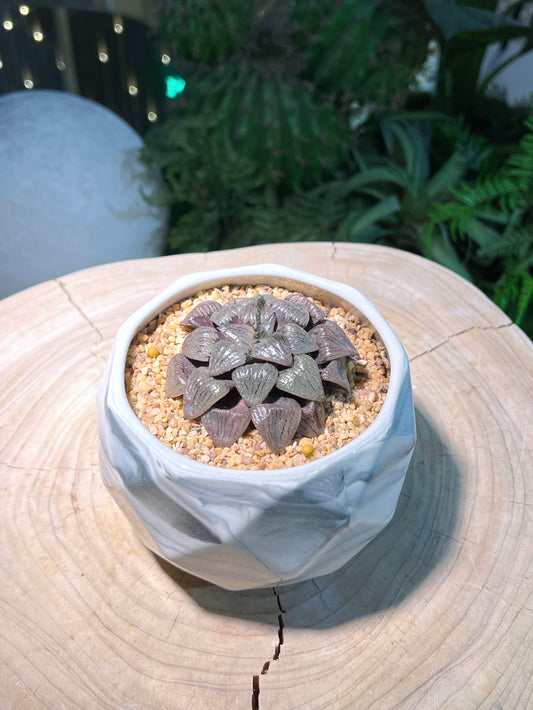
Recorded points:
246,529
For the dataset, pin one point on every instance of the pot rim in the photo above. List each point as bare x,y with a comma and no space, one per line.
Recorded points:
113,392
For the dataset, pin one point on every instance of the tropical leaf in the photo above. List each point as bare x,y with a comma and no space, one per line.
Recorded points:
478,24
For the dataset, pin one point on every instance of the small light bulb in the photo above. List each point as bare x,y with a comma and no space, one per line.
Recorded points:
103,57
133,90
60,64
28,84
165,59
1,64
24,9
152,116
8,25
38,36
118,24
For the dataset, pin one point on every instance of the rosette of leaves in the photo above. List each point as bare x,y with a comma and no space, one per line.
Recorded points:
264,362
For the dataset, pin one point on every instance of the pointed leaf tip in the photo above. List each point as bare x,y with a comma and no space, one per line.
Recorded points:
225,426
303,379
202,392
178,371
277,422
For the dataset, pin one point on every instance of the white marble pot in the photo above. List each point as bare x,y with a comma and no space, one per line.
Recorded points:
246,529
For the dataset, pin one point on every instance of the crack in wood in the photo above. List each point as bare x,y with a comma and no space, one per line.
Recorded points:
54,469
277,650
73,303
276,655
456,335
255,692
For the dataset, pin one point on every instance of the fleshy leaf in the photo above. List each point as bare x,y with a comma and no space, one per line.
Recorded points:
273,348
201,314
178,371
302,379
299,339
202,392
289,311
225,426
335,372
239,333
225,357
258,313
199,344
228,313
254,381
316,313
277,422
313,419
332,342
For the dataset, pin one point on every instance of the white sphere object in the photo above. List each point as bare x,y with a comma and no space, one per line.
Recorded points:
70,189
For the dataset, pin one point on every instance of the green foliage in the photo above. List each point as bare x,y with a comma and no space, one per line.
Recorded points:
295,138
258,148
220,199
465,34
367,50
205,31
494,216
401,186
280,77
478,224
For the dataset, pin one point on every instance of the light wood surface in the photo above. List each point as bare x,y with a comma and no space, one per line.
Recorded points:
437,612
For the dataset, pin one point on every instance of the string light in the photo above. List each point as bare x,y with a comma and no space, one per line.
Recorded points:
27,79
118,24
103,54
1,64
133,88
151,110
24,9
60,60
38,35
8,24
165,59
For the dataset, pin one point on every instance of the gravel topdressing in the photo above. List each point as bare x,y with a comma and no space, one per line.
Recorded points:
348,415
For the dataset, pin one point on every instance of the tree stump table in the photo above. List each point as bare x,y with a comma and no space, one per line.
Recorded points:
436,612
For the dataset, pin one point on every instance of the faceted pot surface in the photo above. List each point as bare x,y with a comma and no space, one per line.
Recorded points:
245,529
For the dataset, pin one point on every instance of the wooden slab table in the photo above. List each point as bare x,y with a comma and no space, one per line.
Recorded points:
437,612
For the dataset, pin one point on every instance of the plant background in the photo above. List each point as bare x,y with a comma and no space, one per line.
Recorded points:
351,120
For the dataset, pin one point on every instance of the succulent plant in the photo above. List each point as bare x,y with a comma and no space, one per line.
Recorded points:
263,360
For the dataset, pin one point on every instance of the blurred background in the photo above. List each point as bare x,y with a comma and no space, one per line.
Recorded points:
400,123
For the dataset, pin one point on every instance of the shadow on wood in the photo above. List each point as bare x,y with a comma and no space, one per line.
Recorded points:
382,574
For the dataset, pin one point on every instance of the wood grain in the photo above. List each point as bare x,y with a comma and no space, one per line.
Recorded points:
437,612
